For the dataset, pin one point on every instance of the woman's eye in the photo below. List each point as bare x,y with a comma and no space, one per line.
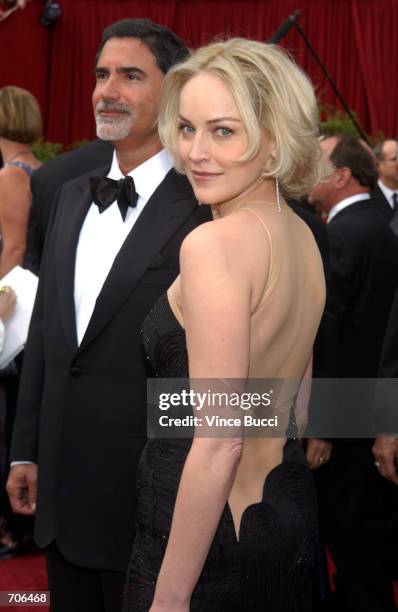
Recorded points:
223,131
186,129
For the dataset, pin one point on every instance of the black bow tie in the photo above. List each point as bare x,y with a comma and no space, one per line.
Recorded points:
105,191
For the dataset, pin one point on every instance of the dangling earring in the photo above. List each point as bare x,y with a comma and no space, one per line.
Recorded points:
278,200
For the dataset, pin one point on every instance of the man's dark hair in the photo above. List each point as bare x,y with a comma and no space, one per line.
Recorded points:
164,45
350,153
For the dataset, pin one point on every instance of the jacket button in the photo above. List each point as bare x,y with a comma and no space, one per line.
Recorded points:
75,371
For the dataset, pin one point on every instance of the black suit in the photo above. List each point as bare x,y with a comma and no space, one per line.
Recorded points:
317,227
364,270
82,409
325,348
364,273
382,204
47,180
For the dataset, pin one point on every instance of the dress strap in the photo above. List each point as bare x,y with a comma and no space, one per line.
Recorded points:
16,164
258,217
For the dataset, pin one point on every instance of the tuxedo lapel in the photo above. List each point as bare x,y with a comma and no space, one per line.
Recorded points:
171,204
77,200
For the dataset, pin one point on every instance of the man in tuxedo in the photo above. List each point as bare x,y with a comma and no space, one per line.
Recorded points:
364,275
112,249
386,191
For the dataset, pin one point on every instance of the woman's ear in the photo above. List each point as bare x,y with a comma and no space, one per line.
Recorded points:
273,151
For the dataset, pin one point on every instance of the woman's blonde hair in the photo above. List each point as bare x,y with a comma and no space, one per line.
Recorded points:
271,93
20,116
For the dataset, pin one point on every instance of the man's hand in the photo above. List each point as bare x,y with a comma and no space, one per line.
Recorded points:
21,488
318,452
385,451
8,300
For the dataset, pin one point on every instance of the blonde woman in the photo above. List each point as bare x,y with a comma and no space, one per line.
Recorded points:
20,125
227,523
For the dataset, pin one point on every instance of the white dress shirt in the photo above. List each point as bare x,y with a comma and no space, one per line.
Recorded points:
103,234
388,193
346,202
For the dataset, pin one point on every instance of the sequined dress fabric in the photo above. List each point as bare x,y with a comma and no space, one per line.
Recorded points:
269,569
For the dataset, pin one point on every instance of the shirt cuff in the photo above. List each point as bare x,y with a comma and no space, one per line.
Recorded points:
21,463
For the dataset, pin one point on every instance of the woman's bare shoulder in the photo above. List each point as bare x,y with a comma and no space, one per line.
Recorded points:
14,186
224,234
11,177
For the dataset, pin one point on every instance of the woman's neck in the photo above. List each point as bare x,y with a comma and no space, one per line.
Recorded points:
14,150
262,190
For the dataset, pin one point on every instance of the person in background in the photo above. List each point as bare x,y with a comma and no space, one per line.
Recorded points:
385,448
7,7
20,125
8,300
364,273
7,541
386,192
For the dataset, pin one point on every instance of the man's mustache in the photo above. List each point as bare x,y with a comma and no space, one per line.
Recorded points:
112,107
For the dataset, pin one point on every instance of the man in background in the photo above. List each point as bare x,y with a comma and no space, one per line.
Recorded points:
364,275
386,191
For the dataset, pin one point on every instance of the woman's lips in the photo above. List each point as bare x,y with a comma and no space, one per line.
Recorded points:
204,176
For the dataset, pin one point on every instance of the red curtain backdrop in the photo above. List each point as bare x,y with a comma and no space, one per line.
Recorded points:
355,39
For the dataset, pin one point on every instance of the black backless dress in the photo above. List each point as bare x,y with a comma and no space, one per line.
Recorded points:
270,568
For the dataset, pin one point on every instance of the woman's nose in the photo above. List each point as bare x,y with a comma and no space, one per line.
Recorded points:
199,150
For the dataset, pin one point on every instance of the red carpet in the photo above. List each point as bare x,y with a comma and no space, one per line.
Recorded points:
26,573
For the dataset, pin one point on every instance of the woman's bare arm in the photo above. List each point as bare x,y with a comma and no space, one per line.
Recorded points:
15,200
216,306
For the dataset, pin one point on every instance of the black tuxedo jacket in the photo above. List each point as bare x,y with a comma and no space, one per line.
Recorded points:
47,180
82,409
382,204
364,275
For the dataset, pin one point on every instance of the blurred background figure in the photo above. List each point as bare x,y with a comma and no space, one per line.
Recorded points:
20,125
355,502
386,192
9,6
7,304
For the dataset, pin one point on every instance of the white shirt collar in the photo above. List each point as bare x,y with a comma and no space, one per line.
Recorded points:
346,202
148,176
388,193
